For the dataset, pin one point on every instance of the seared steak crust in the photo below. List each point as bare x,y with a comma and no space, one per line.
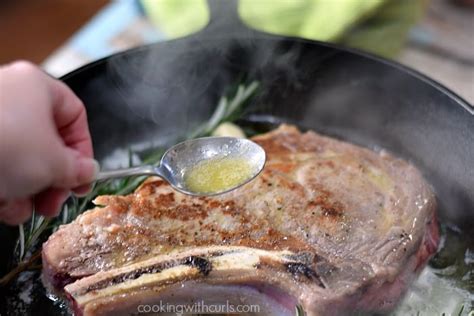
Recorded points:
325,220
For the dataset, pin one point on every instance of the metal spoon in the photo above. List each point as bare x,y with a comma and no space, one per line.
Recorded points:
187,154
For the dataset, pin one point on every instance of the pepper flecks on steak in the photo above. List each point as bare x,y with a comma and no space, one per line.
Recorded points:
328,225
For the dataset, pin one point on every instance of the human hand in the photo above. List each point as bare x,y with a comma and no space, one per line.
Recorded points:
45,145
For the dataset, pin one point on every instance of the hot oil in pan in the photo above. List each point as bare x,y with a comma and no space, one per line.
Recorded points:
446,285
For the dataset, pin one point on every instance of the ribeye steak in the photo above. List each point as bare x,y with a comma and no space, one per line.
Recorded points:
328,225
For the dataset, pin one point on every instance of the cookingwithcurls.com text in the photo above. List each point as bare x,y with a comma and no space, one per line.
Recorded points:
198,307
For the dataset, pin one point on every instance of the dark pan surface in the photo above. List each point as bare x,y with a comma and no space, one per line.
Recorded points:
153,95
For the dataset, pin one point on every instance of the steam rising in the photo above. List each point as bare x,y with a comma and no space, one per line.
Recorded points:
177,85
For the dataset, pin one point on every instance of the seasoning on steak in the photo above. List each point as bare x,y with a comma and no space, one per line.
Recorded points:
328,225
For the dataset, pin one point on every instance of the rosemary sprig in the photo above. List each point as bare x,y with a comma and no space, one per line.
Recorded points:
299,311
228,109
28,264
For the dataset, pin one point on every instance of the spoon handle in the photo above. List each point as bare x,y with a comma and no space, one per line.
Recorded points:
120,173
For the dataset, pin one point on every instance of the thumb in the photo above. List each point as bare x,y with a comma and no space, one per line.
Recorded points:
72,169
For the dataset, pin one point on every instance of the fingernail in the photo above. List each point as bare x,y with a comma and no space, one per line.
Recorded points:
88,170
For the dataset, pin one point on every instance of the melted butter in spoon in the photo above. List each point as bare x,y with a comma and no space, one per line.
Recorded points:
218,175
203,166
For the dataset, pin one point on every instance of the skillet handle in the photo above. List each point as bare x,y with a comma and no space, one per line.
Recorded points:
224,20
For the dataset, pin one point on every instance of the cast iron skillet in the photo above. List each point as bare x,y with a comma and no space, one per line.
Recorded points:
154,94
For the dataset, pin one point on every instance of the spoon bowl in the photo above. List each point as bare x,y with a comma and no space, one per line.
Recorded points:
182,157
